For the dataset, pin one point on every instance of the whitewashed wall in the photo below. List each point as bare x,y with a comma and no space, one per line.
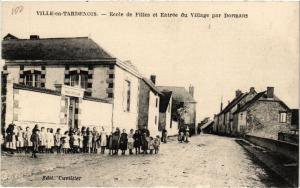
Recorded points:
122,118
96,114
153,112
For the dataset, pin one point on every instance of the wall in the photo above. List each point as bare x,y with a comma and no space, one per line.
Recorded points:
153,114
28,111
143,109
99,81
122,118
284,148
174,130
263,119
14,73
54,75
96,114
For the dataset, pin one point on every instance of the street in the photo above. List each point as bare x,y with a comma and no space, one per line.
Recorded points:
208,160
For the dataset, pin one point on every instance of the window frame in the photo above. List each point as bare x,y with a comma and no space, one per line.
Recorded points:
35,78
81,79
282,119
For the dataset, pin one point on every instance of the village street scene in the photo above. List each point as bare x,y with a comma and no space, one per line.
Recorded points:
171,107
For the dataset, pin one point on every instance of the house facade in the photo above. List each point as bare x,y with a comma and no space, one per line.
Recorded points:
182,100
76,70
149,102
265,116
261,114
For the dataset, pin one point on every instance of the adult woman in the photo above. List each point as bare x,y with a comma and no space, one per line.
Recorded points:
123,142
57,140
35,139
137,142
103,140
11,138
115,141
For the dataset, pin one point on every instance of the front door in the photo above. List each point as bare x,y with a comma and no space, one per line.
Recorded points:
72,123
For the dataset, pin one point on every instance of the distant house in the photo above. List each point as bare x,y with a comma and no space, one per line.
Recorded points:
76,81
225,117
182,99
165,120
149,105
265,115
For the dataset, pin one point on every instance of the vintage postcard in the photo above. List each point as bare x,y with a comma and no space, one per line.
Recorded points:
147,94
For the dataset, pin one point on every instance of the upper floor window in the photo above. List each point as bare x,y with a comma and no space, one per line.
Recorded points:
156,102
79,79
32,78
282,117
127,93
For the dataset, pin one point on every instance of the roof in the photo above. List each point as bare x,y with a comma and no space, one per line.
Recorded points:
261,97
164,100
78,48
179,94
151,85
234,102
207,124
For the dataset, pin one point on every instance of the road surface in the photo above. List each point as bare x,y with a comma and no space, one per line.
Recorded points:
208,160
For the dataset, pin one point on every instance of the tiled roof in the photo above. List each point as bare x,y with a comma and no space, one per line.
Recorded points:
250,102
78,48
164,100
179,94
233,103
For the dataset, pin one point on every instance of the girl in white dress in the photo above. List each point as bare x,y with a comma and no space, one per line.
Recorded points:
19,139
103,140
43,139
66,142
49,140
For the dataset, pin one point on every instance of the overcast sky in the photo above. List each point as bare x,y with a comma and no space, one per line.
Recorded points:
216,56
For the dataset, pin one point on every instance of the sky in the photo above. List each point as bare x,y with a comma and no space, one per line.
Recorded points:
216,56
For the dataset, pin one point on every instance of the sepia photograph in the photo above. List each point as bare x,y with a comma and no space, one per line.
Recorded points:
149,94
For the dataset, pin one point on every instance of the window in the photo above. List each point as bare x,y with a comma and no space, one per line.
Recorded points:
32,78
156,102
155,120
282,117
79,79
126,98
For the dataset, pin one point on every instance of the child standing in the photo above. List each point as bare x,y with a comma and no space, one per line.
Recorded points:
66,142
80,141
156,144
151,144
49,141
90,140
27,142
103,140
130,141
76,142
137,142
19,139
57,140
43,140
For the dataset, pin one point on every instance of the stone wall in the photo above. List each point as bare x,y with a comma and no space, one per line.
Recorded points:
263,119
143,104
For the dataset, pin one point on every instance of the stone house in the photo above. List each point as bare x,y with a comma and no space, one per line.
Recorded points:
149,103
182,99
224,120
265,115
79,75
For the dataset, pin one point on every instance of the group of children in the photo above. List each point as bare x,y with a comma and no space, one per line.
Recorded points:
84,140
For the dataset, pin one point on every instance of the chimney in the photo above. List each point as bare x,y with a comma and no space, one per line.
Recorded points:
153,79
34,37
191,90
270,92
238,93
252,90
221,107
